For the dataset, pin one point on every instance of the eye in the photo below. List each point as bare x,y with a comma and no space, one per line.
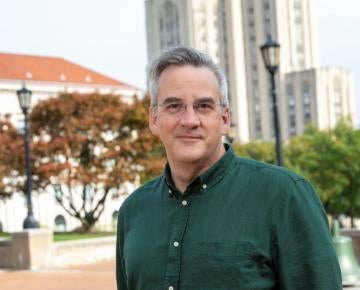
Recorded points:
173,107
204,107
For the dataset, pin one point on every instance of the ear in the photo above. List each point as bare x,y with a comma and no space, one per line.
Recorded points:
153,121
225,121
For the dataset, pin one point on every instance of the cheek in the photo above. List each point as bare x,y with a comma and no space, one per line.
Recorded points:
164,128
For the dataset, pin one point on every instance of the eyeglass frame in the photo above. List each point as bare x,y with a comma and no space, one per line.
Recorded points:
183,106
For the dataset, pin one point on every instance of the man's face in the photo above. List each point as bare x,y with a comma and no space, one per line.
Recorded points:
189,118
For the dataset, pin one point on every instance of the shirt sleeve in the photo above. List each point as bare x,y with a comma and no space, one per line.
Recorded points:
305,257
120,267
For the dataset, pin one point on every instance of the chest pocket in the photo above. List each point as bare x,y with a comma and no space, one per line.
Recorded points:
231,266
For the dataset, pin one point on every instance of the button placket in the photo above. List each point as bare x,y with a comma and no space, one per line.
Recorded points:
181,215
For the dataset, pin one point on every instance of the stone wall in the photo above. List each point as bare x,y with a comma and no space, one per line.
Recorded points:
82,251
34,249
5,254
355,235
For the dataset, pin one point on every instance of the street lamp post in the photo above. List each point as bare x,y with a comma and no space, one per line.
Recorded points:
24,96
271,55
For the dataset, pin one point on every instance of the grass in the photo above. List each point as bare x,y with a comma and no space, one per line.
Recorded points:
4,235
70,236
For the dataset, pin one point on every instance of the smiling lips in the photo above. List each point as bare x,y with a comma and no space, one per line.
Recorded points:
189,137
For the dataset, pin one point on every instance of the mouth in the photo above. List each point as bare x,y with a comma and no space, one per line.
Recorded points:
189,137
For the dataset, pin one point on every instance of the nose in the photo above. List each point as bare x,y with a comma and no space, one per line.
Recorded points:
189,117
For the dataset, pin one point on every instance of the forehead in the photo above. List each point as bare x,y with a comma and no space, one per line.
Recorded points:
182,81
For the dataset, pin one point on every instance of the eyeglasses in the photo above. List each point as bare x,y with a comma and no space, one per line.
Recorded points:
201,107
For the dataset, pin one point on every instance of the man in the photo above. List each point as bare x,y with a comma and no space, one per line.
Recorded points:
214,220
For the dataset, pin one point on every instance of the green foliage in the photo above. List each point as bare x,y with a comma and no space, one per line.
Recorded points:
258,150
330,159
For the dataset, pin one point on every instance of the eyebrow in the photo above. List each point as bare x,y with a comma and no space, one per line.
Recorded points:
205,99
173,99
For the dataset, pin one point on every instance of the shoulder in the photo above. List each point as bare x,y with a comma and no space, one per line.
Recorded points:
275,183
271,172
142,194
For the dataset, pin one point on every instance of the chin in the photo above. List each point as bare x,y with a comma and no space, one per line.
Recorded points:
191,155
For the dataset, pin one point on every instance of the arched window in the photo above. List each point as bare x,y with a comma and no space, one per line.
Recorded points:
60,224
169,25
114,219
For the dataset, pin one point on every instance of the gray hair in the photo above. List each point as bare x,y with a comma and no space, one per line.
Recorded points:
181,56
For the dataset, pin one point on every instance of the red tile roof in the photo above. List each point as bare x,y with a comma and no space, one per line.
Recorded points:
50,69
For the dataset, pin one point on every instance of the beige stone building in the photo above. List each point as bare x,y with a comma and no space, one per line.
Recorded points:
232,31
210,25
289,22
319,96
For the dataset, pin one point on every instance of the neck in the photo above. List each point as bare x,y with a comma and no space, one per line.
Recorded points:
183,173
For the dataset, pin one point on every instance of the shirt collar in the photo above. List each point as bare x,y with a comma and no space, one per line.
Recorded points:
206,180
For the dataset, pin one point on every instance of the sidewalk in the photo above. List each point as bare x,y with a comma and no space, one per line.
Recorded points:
99,276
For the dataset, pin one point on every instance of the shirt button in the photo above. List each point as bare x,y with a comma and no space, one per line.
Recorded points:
171,288
170,191
204,186
176,244
184,202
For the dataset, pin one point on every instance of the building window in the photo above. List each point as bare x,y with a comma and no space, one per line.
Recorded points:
306,100
257,125
267,18
297,4
60,224
291,104
300,48
169,25
337,98
266,5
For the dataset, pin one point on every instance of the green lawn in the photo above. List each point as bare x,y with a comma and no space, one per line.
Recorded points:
4,235
60,236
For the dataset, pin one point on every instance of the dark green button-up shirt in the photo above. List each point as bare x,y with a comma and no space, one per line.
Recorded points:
242,224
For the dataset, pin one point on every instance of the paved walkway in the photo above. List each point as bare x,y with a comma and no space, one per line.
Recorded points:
99,276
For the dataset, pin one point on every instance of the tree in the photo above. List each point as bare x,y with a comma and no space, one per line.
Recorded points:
86,146
11,158
259,150
150,150
329,160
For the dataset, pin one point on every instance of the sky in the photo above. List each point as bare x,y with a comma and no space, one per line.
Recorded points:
109,35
